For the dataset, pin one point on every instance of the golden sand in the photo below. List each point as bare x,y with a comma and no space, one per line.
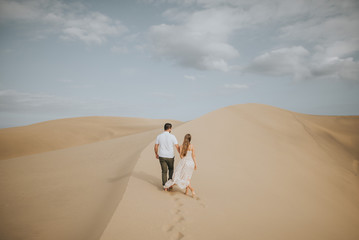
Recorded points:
263,173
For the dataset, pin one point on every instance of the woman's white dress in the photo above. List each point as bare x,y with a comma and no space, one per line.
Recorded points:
182,173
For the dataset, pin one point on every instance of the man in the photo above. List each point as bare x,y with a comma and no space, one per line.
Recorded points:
164,151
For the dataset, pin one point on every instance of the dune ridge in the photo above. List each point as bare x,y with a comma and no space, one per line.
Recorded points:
263,173
69,132
68,193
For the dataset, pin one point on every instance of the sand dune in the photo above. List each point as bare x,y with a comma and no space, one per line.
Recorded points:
69,193
263,173
64,133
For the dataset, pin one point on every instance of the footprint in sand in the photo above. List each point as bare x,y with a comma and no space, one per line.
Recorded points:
177,225
201,202
178,202
168,228
177,236
176,211
179,219
174,229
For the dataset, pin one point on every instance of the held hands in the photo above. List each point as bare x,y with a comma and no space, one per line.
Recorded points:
157,156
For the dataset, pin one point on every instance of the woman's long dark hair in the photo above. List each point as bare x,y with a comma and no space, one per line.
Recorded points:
185,145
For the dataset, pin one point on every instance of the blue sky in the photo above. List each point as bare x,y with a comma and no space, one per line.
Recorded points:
175,59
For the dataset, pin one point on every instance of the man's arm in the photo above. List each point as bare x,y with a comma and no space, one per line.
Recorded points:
176,144
178,148
156,150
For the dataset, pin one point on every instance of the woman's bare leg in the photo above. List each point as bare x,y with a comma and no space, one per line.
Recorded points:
192,190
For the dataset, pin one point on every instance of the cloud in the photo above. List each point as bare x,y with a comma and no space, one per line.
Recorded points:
236,86
339,68
282,62
300,64
17,10
19,108
326,29
16,101
312,38
200,41
71,21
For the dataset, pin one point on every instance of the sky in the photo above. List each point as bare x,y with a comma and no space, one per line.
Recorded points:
175,59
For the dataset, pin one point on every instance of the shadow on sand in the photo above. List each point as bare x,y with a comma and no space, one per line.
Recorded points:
148,178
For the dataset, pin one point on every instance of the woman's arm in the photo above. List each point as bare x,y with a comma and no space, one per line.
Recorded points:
194,158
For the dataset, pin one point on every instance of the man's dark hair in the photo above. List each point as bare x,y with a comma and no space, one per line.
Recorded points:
168,126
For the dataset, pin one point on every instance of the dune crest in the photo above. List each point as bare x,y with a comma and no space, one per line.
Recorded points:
263,173
69,193
69,132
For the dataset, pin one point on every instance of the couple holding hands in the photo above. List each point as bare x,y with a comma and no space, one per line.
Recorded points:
164,150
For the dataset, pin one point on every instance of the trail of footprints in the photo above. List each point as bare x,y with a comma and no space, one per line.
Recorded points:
176,228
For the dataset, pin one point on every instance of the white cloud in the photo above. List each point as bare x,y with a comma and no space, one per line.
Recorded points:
323,29
200,42
16,101
176,14
346,69
342,48
282,62
18,108
19,10
72,21
236,86
316,32
206,34
299,63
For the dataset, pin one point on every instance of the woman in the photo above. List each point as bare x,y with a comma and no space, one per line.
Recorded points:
184,169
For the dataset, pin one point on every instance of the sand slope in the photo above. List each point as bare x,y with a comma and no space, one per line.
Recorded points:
69,193
264,173
64,133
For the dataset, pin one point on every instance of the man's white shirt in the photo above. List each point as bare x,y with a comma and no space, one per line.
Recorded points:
166,141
